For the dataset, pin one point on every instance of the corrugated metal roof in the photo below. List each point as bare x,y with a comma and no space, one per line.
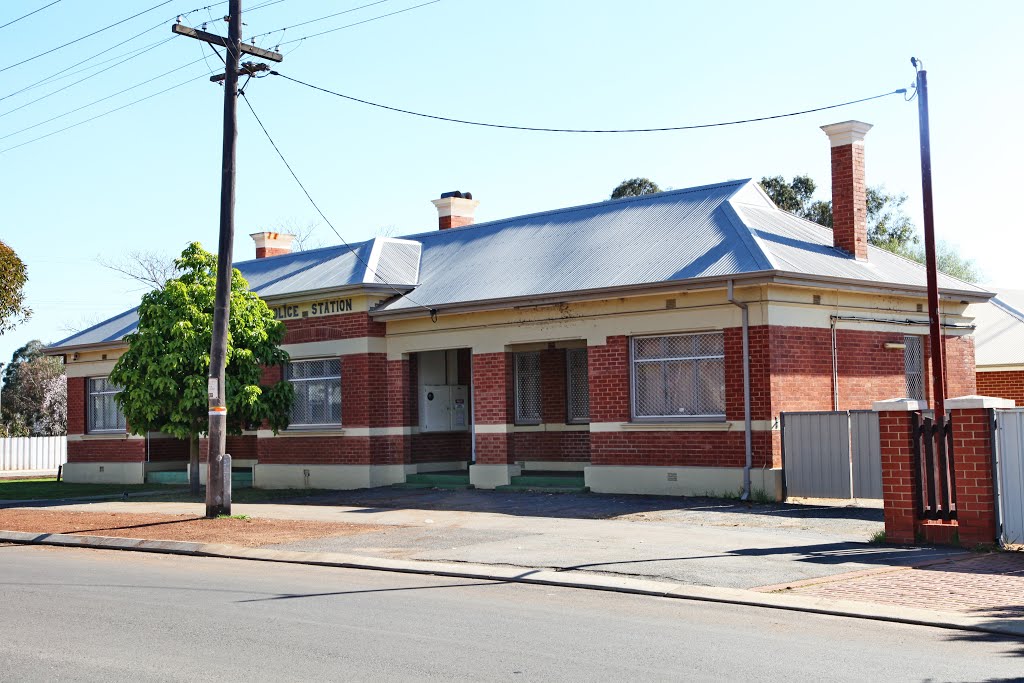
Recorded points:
720,230
999,337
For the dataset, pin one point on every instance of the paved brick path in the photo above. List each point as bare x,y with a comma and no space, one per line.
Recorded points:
984,585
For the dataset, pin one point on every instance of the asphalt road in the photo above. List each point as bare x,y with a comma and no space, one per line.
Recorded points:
75,615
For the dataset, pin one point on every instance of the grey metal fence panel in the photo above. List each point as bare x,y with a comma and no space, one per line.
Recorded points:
1010,473
33,453
817,454
866,451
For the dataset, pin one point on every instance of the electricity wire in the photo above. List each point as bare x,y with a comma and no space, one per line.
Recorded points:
431,311
365,21
123,106
26,16
313,21
88,35
586,130
102,99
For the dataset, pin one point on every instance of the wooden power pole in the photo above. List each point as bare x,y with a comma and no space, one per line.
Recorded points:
931,266
218,470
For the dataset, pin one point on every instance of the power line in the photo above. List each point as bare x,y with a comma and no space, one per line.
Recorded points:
313,21
26,16
365,21
586,130
432,311
88,35
106,113
82,80
102,99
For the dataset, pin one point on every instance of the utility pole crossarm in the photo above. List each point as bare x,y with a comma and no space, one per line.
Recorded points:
214,39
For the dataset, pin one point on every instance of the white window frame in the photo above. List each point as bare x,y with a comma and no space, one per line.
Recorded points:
89,413
320,425
518,417
570,407
633,361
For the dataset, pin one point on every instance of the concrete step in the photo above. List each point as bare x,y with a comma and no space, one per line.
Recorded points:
421,485
239,480
439,478
549,479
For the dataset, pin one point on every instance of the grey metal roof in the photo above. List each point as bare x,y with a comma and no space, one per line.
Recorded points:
714,231
999,337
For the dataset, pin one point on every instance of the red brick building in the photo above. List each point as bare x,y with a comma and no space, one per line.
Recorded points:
1000,342
606,338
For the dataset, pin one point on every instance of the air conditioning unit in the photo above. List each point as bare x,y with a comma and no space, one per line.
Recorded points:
444,408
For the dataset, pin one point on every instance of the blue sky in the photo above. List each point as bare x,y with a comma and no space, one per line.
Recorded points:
147,177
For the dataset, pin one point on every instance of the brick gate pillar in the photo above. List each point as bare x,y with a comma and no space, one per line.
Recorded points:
493,418
973,461
899,496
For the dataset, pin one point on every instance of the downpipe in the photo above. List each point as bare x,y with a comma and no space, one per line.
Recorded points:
747,427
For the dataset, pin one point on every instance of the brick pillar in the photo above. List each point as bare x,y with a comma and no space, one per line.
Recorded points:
899,496
972,457
493,412
401,397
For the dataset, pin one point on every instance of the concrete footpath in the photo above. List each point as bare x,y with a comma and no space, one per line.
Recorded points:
813,558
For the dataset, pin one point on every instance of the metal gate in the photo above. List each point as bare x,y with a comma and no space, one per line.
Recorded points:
1010,473
834,454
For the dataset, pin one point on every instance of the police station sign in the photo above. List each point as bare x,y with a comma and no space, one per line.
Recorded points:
312,309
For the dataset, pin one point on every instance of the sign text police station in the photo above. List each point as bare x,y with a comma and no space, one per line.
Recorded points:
316,308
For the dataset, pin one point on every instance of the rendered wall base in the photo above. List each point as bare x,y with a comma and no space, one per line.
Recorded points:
235,464
336,477
681,481
491,476
554,465
442,466
167,466
104,472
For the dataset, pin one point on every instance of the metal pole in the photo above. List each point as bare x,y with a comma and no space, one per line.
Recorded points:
934,329
218,499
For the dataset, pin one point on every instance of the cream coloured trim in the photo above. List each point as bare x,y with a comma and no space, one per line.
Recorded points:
104,472
846,133
93,368
105,436
680,481
999,368
336,347
550,427
340,477
344,431
493,429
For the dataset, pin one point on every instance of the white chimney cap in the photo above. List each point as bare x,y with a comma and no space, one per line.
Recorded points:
847,132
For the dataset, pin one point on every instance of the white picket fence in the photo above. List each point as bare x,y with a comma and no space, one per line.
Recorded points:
33,453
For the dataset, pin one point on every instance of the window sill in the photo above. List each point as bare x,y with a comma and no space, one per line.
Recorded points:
103,436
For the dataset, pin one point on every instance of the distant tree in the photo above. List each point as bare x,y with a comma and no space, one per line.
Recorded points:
634,187
163,374
889,227
13,276
35,393
151,268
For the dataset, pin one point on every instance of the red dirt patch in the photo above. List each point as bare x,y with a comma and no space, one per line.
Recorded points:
252,532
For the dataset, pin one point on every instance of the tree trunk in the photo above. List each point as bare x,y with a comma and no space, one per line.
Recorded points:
193,459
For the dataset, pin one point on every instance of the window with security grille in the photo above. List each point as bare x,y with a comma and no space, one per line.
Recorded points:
317,385
913,366
527,383
578,385
680,375
104,413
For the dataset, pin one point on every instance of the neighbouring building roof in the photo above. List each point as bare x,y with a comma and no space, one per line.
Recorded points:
729,229
999,339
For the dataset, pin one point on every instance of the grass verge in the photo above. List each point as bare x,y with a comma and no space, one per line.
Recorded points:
50,489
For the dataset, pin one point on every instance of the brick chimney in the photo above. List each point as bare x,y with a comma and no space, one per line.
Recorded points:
455,209
272,243
849,192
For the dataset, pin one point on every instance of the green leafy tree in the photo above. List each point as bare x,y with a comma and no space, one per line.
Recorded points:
35,393
634,187
889,227
163,374
13,277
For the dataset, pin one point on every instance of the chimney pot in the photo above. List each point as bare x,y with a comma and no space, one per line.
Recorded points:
455,209
272,243
849,189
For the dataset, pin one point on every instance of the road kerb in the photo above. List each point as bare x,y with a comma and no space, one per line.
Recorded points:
540,576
